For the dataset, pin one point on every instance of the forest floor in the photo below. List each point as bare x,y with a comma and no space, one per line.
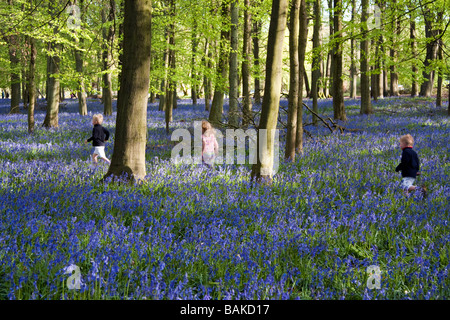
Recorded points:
190,232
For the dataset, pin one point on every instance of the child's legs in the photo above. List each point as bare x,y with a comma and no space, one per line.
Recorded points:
105,159
94,157
407,184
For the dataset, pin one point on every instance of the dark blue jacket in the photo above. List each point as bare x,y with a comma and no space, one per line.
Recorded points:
409,164
99,136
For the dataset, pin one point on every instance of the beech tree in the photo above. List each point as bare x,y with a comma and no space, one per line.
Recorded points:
131,123
262,171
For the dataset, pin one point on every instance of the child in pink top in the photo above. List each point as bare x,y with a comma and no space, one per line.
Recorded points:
210,147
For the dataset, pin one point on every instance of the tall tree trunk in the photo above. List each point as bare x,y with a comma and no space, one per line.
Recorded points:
108,15
393,51
246,51
302,40
131,123
24,87
256,34
162,95
15,76
120,49
432,49
412,37
366,107
440,75
294,29
32,83
353,71
171,89
206,79
328,81
51,118
338,84
194,76
233,112
263,170
215,114
82,105
316,60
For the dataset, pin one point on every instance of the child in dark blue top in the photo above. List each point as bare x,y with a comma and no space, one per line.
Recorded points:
98,138
409,165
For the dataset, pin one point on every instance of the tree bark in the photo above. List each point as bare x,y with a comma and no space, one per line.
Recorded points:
338,84
131,123
162,96
440,75
82,105
194,77
353,71
15,76
426,88
32,84
316,61
206,79
366,107
51,117
412,37
302,40
108,15
233,112
294,29
246,51
256,34
171,92
215,114
393,52
262,171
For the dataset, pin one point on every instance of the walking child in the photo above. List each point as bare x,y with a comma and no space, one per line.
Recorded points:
409,165
210,147
98,138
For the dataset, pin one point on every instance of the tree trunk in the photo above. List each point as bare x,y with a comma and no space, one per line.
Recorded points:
262,171
440,75
338,84
302,40
247,42
162,95
328,81
206,80
366,107
15,76
108,45
256,34
316,61
233,112
412,37
24,88
353,74
215,114
393,52
193,69
131,123
426,88
294,29
171,92
51,118
82,106
32,84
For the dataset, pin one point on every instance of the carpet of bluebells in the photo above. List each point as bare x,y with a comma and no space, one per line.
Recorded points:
190,232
